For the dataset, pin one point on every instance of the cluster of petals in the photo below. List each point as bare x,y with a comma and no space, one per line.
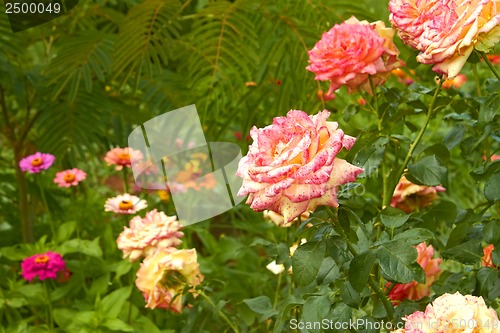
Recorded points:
352,51
453,313
69,177
446,31
164,275
125,204
123,157
145,235
487,260
44,266
37,162
415,290
279,220
291,166
408,196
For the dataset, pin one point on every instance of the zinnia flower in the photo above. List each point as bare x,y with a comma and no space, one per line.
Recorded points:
446,31
291,166
164,275
45,266
145,235
351,51
408,196
69,177
123,157
415,290
487,260
36,162
453,313
125,204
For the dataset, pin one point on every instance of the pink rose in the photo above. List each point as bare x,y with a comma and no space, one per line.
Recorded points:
446,31
408,196
453,313
349,52
415,290
291,166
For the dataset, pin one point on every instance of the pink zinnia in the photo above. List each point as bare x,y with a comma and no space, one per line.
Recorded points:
415,290
352,51
125,204
45,266
69,177
291,167
37,162
123,157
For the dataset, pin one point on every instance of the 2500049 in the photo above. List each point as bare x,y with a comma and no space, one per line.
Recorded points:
32,7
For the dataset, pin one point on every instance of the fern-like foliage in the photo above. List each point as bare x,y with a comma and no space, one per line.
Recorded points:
145,42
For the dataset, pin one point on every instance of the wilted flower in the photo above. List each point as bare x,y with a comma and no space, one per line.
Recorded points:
351,51
453,313
291,166
279,268
45,266
446,31
415,290
123,157
456,82
487,260
125,204
69,177
164,275
36,162
145,235
408,196
279,220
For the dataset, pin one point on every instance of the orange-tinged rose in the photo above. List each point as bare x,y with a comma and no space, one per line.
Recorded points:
408,196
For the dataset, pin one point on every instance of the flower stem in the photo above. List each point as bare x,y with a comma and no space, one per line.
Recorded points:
223,316
49,303
476,79
125,178
385,302
415,143
488,62
44,200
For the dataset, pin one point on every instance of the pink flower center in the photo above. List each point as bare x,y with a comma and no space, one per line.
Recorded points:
69,177
42,259
125,205
36,162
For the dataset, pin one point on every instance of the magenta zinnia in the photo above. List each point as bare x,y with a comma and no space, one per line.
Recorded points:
37,162
291,167
44,266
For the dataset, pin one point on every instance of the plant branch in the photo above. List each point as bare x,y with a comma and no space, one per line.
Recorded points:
223,316
488,62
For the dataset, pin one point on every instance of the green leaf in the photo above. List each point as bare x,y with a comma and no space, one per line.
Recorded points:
393,217
398,262
414,236
306,262
350,296
492,187
469,252
370,156
112,304
489,283
261,305
491,232
65,230
428,171
116,324
84,246
315,309
360,268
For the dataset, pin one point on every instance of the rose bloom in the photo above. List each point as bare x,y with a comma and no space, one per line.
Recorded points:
69,177
123,157
279,220
446,31
164,275
408,196
351,51
145,235
494,58
291,167
456,82
453,313
487,260
125,204
36,162
44,266
415,290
